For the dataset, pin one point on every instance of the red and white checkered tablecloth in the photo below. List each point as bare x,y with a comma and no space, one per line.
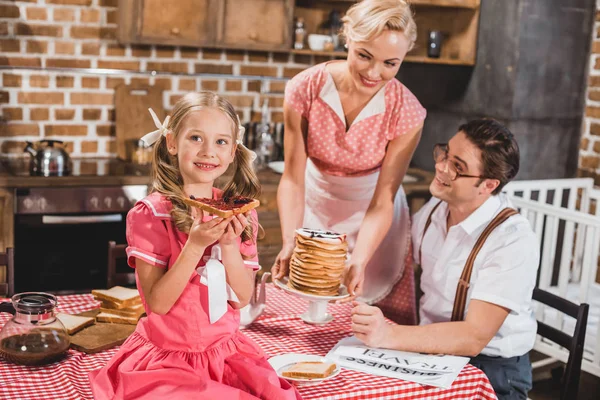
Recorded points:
278,331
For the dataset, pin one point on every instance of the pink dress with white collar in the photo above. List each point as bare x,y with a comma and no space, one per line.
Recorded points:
342,173
180,355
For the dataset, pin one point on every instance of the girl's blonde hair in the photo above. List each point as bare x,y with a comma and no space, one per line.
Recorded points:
167,178
368,18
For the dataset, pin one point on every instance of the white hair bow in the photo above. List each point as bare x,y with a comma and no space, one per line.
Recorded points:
152,137
240,140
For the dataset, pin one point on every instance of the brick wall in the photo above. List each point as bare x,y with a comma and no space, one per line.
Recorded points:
50,53
589,153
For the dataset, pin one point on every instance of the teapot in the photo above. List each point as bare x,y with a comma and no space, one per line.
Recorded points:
48,160
34,336
257,305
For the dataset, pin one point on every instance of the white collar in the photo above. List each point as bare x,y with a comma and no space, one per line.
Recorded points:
481,216
329,94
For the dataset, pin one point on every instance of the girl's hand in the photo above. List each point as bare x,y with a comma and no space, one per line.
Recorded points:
203,234
282,262
234,229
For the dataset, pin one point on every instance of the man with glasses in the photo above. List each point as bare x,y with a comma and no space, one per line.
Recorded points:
479,260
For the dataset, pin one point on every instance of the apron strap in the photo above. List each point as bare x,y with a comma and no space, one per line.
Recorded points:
460,299
426,227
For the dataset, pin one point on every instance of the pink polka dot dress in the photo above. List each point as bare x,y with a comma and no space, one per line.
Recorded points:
342,172
359,150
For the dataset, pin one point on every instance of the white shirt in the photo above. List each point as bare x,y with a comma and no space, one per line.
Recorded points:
504,272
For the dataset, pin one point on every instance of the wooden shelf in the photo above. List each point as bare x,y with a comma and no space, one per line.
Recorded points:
409,58
444,61
309,52
432,3
472,4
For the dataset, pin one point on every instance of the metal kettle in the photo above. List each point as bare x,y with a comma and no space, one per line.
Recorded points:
48,159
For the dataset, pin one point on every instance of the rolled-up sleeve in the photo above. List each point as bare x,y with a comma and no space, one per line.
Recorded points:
147,237
298,93
410,115
508,274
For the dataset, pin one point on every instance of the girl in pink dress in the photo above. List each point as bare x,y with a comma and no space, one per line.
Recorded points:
189,346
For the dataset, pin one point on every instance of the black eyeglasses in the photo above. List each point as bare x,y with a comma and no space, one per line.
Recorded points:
440,155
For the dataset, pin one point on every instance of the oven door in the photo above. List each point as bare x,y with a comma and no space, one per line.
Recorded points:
64,253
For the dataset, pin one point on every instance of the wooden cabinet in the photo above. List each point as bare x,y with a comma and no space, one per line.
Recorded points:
458,20
181,22
263,24
268,25
238,24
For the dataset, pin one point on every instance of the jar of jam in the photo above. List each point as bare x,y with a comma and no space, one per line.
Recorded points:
34,336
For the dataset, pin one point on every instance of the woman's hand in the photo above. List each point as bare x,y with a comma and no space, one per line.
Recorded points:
282,262
203,234
234,229
354,279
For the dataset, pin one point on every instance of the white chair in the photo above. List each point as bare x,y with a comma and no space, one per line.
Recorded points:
564,214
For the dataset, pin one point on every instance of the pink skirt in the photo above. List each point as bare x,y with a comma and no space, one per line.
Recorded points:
233,370
400,305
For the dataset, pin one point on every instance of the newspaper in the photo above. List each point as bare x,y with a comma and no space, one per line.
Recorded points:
434,370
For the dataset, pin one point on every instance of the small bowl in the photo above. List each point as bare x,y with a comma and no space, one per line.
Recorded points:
317,42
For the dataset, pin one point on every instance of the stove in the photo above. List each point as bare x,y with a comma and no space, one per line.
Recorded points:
61,232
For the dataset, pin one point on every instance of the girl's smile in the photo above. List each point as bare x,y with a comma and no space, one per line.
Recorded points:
206,166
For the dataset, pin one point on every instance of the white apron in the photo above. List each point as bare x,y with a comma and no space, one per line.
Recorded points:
339,204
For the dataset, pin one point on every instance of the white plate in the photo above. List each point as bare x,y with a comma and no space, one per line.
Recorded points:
282,362
277,166
282,283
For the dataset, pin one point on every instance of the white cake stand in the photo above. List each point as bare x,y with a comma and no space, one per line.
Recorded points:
316,314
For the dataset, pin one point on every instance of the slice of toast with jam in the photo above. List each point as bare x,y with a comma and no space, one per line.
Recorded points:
224,207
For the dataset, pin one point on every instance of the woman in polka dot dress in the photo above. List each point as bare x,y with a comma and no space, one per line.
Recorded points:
350,131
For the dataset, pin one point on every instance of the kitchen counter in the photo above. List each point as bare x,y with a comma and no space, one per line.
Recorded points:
14,173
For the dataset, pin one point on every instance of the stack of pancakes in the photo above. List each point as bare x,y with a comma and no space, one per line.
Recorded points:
318,262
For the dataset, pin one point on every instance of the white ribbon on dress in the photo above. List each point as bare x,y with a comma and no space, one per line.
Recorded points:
212,275
162,130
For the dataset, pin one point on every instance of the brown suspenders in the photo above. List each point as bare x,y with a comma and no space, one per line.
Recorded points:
460,299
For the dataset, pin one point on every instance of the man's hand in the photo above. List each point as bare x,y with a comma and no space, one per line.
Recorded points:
368,325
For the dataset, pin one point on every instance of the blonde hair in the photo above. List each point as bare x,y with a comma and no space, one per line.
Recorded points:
167,178
368,18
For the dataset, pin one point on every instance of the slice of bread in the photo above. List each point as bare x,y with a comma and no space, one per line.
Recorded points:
124,297
133,311
117,306
74,323
310,370
224,208
116,319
